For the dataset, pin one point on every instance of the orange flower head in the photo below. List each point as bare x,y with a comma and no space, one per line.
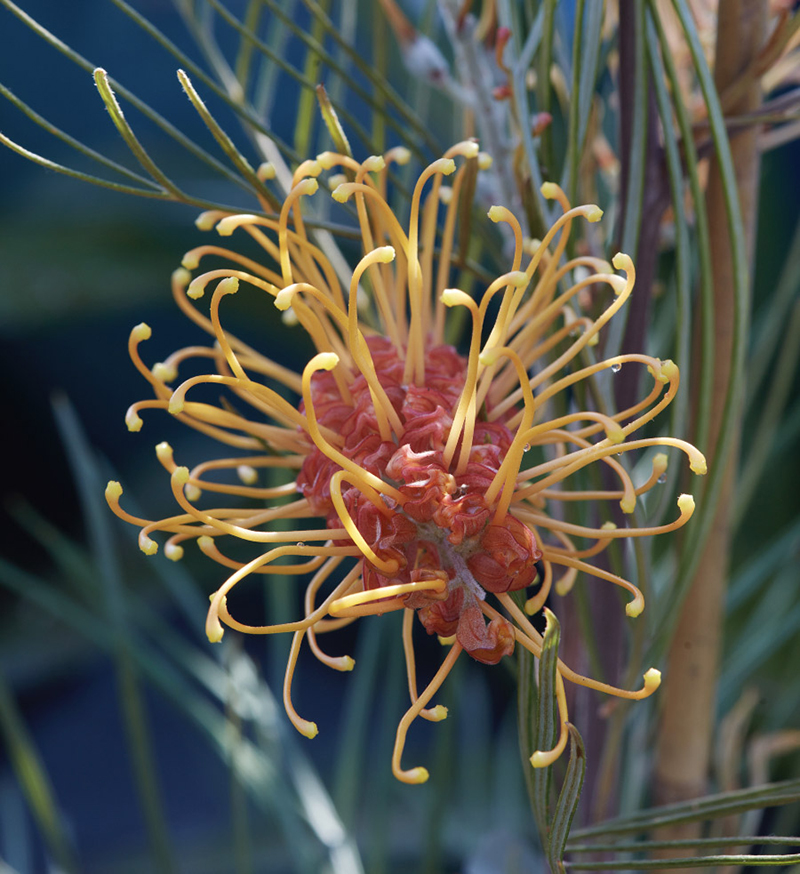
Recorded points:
402,468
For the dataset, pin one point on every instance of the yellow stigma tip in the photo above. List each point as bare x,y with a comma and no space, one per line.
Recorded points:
417,775
309,186
163,372
374,164
229,285
247,474
192,492
326,160
593,213
628,504
686,504
615,435
265,172
622,261
196,289
214,629
341,193
205,542
175,406
133,421
400,155
496,213
113,490
307,729
173,552
181,277
446,641
447,166
283,299
345,663
326,360
141,332
485,160
148,546
451,297
634,608
227,226
697,463
335,180
190,261
385,254
181,475
652,680
609,526
437,713
205,221
550,191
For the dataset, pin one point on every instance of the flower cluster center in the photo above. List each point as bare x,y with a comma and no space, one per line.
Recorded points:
443,530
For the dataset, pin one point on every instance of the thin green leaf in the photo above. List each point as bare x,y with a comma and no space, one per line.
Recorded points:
226,144
546,719
696,809
568,799
123,92
685,862
722,841
332,123
33,780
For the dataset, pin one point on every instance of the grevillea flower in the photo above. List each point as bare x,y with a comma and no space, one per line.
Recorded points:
408,483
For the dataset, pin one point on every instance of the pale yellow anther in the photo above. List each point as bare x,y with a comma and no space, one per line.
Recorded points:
614,433
634,608
445,194
173,551
342,192
497,213
485,160
622,262
399,154
289,318
205,542
437,713
306,728
229,285
181,277
335,180
265,172
326,160
325,360
686,505
228,225
247,474
141,332
214,629
446,166
342,663
628,504
164,452
550,190
416,775
374,164
660,463
451,297
530,245
148,546
197,288
652,680
384,254
697,461
446,641
113,491
193,493
191,260
175,405
133,420
669,370
206,220
283,299
593,213
181,475
164,372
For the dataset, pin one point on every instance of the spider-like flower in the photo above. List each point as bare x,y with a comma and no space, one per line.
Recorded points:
408,462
